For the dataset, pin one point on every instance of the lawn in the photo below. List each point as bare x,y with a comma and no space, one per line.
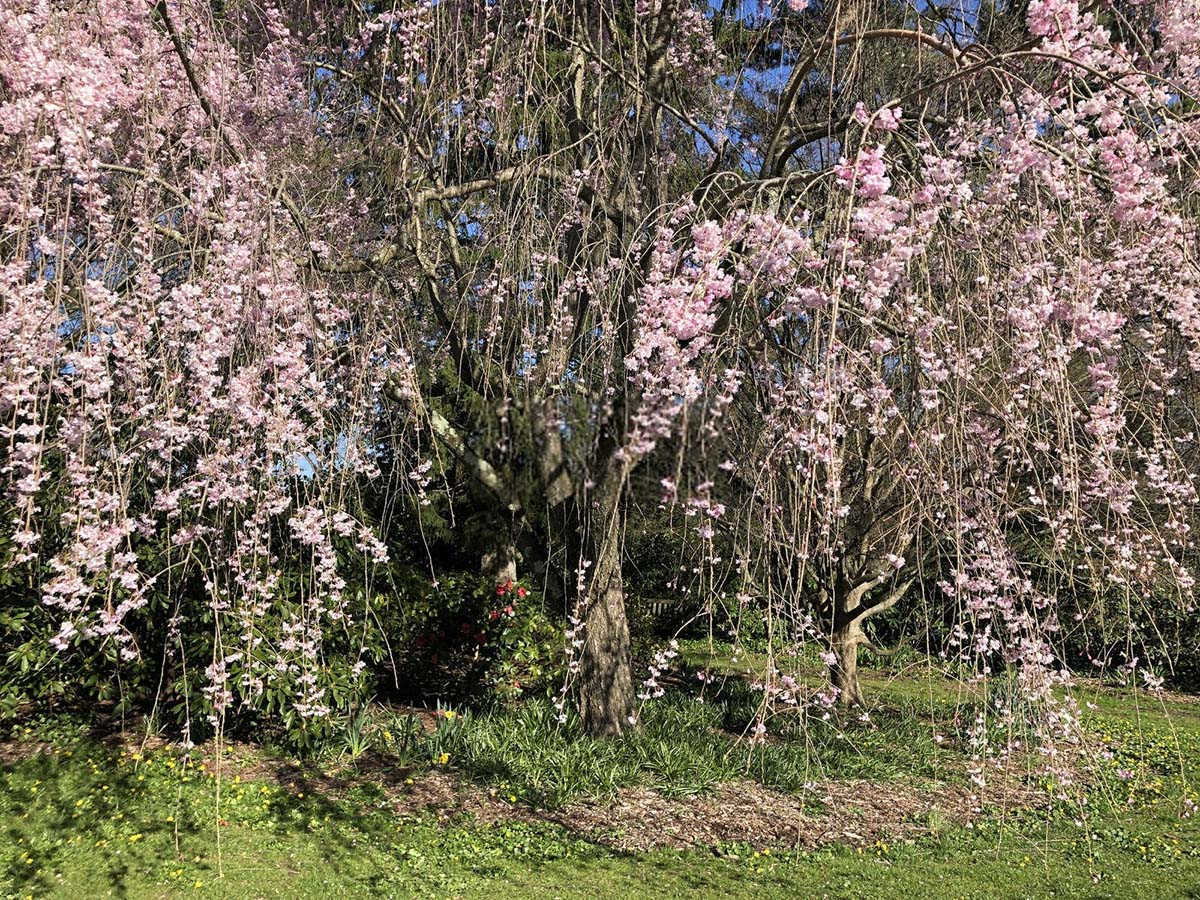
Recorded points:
513,804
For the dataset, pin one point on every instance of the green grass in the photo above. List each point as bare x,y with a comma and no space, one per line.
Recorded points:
84,823
83,820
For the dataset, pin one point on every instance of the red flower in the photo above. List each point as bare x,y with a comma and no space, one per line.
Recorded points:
494,615
520,592
509,610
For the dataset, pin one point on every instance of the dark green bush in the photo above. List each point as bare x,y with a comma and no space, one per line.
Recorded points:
465,639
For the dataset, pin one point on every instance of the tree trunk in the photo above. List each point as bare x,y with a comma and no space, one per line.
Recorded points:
606,685
499,562
856,604
844,672
606,677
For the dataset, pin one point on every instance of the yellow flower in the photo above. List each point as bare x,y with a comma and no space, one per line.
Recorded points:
444,758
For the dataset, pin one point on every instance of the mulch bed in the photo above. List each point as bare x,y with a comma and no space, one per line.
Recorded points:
850,812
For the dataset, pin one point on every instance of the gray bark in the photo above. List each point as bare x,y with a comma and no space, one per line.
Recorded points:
606,677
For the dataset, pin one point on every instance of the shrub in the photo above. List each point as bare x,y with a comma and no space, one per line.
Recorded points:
465,638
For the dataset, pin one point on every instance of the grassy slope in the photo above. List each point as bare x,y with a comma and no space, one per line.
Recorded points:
83,821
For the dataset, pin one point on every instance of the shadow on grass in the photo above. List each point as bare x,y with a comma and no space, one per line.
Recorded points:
125,824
